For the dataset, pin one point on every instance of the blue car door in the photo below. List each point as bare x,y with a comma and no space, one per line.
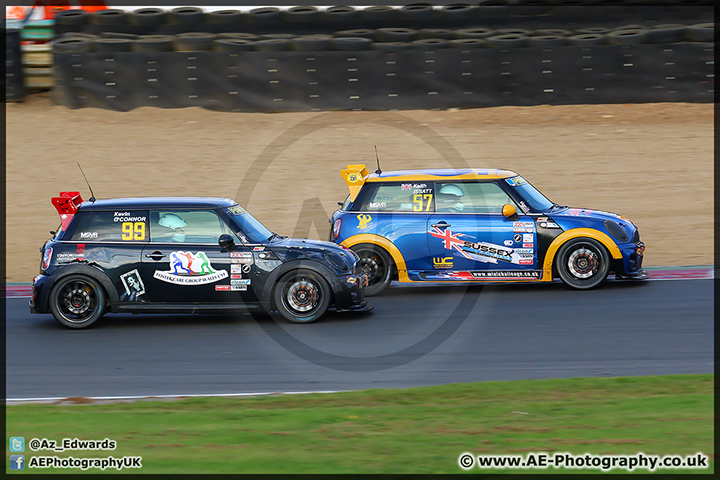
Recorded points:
469,238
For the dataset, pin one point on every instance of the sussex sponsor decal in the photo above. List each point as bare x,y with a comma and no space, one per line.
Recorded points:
187,268
478,251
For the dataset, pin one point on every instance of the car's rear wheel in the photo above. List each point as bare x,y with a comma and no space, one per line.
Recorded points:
77,301
376,263
302,296
582,263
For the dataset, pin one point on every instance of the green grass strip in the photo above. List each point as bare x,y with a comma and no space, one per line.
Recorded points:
417,430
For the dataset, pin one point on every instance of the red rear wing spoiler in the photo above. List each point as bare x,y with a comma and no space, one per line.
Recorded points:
66,205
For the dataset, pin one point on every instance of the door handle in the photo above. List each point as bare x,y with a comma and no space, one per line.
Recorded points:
155,255
442,224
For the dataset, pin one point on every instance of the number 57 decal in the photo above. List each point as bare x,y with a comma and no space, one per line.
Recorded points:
418,200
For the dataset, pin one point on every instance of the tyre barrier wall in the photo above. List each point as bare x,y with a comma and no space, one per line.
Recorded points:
417,78
306,19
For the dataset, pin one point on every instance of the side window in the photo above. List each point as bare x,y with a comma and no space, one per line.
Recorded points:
399,197
116,226
475,197
187,226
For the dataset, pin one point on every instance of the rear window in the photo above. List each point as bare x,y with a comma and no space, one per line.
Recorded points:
397,197
115,226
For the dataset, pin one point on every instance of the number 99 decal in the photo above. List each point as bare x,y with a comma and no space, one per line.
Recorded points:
133,231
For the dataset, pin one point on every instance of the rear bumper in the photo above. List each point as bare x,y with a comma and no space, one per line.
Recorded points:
39,297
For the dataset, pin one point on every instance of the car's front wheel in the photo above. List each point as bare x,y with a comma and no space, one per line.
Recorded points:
302,296
582,263
377,265
77,301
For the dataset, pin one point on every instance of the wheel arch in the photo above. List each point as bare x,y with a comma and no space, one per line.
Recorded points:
82,269
560,240
385,244
267,297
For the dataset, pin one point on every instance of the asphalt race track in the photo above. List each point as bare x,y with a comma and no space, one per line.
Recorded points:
415,336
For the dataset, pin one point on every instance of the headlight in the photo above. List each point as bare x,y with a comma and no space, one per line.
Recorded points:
616,230
338,260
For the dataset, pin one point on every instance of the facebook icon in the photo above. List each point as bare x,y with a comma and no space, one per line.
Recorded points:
17,462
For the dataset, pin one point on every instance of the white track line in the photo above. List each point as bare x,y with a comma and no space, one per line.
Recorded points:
71,400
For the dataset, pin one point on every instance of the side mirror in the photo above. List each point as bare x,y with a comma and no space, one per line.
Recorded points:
227,243
509,211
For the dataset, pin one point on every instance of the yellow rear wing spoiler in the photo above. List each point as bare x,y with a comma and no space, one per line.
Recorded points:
354,176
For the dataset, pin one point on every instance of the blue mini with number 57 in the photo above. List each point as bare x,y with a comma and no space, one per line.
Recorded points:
477,225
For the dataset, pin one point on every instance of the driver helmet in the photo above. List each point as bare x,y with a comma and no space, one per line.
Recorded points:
170,220
450,196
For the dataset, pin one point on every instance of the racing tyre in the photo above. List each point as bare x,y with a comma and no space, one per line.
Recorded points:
77,301
377,265
302,296
110,17
582,263
73,17
147,17
112,45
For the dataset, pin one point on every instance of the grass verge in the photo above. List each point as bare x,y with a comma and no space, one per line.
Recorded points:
418,430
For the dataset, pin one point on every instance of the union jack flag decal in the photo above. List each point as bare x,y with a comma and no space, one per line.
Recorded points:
406,186
450,240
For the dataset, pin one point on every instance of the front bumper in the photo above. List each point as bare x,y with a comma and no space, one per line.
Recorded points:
630,266
350,297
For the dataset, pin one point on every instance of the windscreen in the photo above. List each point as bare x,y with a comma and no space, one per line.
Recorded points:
255,231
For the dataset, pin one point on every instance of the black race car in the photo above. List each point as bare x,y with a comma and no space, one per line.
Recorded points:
185,255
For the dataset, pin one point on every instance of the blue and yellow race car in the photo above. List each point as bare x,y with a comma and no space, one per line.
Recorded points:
477,225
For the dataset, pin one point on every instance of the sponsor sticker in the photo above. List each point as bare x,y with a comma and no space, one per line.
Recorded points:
235,276
81,249
542,219
85,235
246,268
364,221
523,250
353,177
517,238
236,210
235,268
378,204
258,249
527,237
508,243
525,262
442,262
222,288
187,268
133,283
528,245
240,255
238,288
240,282
241,260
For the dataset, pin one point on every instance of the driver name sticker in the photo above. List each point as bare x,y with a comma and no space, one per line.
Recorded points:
187,268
